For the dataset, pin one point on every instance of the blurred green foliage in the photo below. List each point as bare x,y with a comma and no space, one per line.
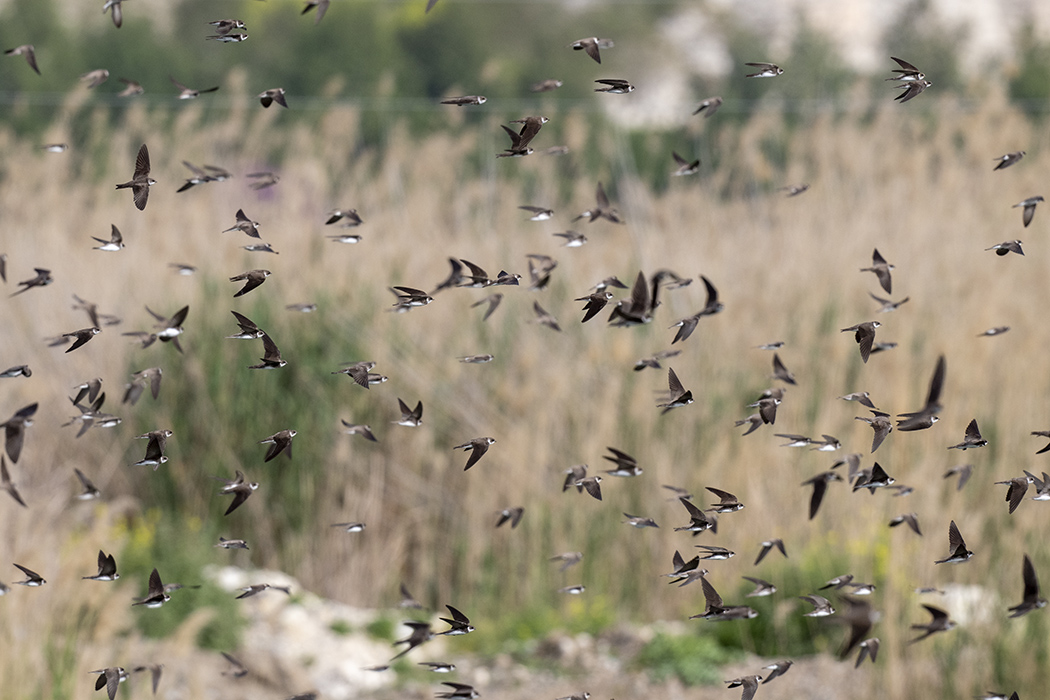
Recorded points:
149,542
694,659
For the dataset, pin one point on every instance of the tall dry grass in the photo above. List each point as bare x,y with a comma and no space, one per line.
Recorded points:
915,183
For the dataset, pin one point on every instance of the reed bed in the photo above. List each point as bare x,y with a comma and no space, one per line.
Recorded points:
916,184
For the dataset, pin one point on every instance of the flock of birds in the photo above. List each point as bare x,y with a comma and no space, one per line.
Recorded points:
638,308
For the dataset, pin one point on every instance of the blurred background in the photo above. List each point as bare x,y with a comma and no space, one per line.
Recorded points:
365,130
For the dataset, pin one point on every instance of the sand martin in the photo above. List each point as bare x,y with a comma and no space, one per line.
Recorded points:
681,567
1016,490
971,439
411,417
887,305
240,489
963,471
245,225
465,100
476,359
7,485
765,70
1008,159
95,78
677,394
110,678
409,298
519,145
155,673
781,372
251,279
117,15
460,691
186,93
708,106
767,410
321,6
748,683
712,553
115,242
546,85
882,270
911,519
545,318
140,181
268,97
591,46
821,606
279,442
538,213
33,579
907,72
257,588
873,479
602,209
567,559
131,88
654,360
107,568
626,465
926,417
728,503
231,544
940,622
762,588
590,484
346,218
510,515
530,126
1042,486
157,440
358,371
14,430
363,430
1031,600
478,447
820,486
226,26
27,51
42,279
637,310
1007,247
262,180
794,190
865,336
698,520
458,623
90,490
16,371
767,546
639,521
82,336
912,88
683,166
421,633
1029,208
957,547
614,86
716,610
248,329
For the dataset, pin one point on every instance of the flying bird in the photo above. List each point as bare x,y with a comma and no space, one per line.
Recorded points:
765,70
1029,208
678,396
865,336
957,546
157,440
591,46
186,93
239,487
939,622
1031,599
271,355
971,439
268,97
107,568
7,485
27,51
478,447
820,487
140,182
279,442
110,678
42,279
708,106
1007,247
321,6
1008,159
